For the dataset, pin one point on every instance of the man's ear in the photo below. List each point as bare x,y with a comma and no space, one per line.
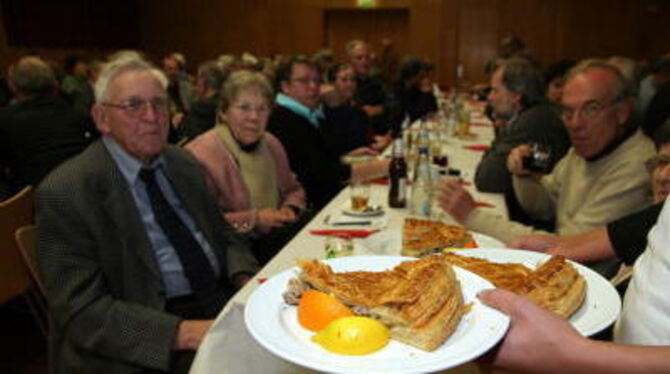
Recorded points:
101,119
624,110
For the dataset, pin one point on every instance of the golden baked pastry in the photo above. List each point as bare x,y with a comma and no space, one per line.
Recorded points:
555,285
420,301
503,275
422,237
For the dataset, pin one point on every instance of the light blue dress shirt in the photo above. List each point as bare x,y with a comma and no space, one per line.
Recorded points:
176,283
312,115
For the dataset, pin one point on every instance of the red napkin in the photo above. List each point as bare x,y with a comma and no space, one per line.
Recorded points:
477,147
484,204
352,233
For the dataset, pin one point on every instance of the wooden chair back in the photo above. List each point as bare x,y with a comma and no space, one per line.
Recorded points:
26,239
15,212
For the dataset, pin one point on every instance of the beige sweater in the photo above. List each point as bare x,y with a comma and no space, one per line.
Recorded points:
581,195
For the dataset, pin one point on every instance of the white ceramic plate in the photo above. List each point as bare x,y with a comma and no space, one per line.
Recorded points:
601,306
389,242
275,326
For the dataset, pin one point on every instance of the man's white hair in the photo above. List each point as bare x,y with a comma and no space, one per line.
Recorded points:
114,68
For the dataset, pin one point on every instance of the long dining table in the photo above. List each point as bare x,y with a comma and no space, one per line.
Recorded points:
228,347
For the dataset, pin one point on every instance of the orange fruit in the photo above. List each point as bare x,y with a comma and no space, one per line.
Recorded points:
470,244
317,309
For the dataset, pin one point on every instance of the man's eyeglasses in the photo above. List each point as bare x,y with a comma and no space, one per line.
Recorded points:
262,110
306,80
658,161
589,110
136,107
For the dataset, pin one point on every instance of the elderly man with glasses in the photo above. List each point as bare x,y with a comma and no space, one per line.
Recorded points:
601,178
136,258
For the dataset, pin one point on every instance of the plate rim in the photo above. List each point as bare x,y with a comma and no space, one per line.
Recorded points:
502,321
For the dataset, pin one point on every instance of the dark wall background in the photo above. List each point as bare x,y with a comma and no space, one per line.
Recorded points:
446,31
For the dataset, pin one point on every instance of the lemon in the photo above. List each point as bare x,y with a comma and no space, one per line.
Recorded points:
353,336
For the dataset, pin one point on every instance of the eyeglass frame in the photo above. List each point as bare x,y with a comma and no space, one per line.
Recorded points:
248,109
306,80
657,161
580,111
136,106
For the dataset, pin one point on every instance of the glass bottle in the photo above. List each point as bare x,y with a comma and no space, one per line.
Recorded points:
421,198
398,177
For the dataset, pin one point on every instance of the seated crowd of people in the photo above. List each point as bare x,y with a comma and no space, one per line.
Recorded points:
159,194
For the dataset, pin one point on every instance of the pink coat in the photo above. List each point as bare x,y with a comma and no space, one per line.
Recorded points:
223,175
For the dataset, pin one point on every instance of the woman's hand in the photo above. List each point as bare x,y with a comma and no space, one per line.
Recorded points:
270,218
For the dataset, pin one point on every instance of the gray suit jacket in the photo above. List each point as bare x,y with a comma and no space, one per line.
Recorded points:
102,281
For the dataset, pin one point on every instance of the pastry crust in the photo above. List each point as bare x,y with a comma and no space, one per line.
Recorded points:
422,237
419,301
555,285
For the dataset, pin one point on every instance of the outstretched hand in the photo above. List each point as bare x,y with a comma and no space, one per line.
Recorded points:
538,341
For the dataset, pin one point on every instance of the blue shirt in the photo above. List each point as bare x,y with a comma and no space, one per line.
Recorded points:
312,115
176,283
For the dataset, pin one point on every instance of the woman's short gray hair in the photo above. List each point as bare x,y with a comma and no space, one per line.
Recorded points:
114,68
241,80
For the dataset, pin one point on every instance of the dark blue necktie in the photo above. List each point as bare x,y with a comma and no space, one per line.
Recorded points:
197,268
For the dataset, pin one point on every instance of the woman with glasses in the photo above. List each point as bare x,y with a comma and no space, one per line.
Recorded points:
248,168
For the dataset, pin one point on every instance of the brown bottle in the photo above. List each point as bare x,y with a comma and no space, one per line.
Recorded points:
398,177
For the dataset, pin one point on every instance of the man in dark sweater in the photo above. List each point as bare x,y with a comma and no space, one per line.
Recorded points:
41,130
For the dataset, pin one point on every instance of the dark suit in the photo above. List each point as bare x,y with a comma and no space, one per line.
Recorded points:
103,284
316,164
38,134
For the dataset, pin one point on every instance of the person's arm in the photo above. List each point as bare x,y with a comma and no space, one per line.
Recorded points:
492,174
370,170
539,341
458,202
625,238
588,246
534,197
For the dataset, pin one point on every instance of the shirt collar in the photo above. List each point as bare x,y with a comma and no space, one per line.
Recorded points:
312,115
130,166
